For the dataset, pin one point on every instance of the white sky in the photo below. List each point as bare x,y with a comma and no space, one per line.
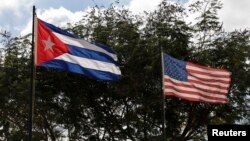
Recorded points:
234,14
15,15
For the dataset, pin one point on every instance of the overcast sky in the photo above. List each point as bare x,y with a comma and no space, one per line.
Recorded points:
15,15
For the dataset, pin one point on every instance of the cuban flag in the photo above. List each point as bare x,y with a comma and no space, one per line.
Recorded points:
56,48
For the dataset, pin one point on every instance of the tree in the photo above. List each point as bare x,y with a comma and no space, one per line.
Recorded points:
80,108
14,83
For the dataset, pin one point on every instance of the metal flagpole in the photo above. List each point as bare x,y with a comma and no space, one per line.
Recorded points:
32,78
163,99
163,96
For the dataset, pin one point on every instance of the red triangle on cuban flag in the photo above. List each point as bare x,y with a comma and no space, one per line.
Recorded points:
48,44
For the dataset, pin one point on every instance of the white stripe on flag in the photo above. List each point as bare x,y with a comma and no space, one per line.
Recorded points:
190,89
91,64
203,76
209,83
191,96
190,67
204,87
83,44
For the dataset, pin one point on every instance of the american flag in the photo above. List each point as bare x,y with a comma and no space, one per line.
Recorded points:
193,82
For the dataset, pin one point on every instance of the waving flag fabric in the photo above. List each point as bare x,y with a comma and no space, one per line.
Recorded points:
193,82
59,49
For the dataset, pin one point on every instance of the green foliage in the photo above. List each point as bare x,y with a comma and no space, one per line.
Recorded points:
79,108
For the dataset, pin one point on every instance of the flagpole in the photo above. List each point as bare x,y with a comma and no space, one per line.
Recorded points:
163,96
163,99
32,78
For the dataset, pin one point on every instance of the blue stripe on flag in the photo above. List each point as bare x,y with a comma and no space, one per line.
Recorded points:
86,53
97,74
105,47
58,30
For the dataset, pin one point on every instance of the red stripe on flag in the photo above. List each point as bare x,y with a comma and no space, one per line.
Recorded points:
195,100
204,89
208,74
207,68
213,84
195,94
209,80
